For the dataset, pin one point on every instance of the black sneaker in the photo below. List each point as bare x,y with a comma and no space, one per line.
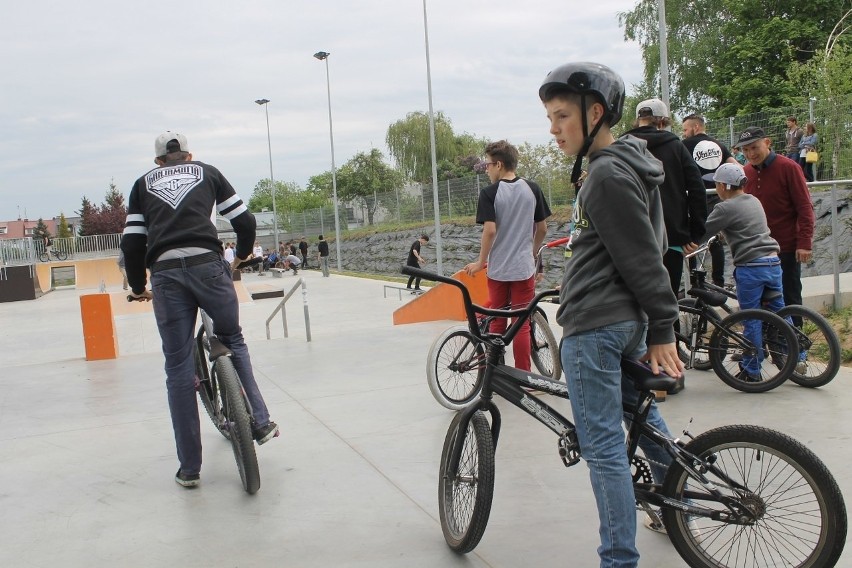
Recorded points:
747,377
187,480
266,433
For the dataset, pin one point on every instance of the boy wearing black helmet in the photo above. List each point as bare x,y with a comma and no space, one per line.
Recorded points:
615,292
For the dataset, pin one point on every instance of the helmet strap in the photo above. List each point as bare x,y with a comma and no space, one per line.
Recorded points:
588,140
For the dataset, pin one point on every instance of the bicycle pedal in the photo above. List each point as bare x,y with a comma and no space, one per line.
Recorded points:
569,448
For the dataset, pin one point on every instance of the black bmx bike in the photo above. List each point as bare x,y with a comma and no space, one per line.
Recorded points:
734,496
223,397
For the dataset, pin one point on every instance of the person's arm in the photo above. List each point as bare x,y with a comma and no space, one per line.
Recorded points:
696,195
805,218
134,244
231,207
538,237
489,233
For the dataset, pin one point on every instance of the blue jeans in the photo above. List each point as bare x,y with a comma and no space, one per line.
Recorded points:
762,274
597,387
178,293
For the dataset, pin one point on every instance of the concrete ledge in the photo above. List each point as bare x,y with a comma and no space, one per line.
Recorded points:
818,291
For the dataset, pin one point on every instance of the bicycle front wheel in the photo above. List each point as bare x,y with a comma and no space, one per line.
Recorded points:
730,350
464,498
797,516
701,360
544,350
819,344
239,422
61,255
455,368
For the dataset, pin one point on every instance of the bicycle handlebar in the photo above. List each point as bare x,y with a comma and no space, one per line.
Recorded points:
702,248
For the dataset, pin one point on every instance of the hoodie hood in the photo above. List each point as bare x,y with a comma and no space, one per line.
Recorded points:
634,152
653,136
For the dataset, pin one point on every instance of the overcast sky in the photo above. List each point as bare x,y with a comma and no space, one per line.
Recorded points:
86,86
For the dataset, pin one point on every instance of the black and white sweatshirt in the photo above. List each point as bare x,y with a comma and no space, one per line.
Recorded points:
170,207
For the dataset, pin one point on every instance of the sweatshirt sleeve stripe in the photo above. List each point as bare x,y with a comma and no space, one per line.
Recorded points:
135,230
235,211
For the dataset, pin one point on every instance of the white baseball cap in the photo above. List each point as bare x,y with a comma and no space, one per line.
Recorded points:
161,144
652,107
732,175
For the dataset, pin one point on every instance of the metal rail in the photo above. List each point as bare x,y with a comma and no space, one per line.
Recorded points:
282,307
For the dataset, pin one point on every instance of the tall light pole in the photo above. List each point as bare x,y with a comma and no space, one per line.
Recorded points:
436,203
323,56
264,103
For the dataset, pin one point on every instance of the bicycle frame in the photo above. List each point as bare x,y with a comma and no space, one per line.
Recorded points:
218,349
509,383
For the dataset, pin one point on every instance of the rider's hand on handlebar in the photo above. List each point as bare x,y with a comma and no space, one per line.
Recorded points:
237,262
474,267
145,296
664,358
690,248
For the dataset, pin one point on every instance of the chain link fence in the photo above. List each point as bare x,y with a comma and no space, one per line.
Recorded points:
831,118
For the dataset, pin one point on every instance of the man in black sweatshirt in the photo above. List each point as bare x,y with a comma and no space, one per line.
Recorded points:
169,231
682,192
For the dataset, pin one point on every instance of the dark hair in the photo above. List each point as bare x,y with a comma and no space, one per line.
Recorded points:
425,237
793,119
320,237
178,156
504,152
810,127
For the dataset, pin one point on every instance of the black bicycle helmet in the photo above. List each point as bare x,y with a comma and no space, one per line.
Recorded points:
585,78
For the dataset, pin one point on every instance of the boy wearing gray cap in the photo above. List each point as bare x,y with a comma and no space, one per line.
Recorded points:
740,217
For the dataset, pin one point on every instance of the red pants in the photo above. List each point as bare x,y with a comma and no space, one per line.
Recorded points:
513,295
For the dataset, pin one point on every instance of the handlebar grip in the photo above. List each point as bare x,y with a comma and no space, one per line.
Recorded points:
557,242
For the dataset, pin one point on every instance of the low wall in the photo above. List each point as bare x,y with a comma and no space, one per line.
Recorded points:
88,274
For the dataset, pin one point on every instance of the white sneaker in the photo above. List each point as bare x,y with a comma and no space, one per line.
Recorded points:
801,367
653,525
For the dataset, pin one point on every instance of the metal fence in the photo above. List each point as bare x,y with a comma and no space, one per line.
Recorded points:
18,252
831,118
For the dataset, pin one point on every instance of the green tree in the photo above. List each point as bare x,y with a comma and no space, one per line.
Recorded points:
410,147
289,197
107,219
63,231
730,56
365,179
87,213
548,166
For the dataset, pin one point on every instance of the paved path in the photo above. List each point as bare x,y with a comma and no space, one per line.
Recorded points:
88,456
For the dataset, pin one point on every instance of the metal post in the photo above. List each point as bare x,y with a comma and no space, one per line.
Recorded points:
731,129
323,56
265,104
449,201
305,307
664,52
835,254
438,246
811,102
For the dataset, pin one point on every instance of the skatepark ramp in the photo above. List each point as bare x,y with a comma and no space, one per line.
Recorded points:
443,301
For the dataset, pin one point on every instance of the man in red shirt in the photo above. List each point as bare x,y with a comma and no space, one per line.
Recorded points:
781,188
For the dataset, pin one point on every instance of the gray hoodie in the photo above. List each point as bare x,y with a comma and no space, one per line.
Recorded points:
615,271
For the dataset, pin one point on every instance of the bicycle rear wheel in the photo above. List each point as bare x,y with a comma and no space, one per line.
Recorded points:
464,499
42,257
239,423
455,367
799,513
819,344
208,386
729,348
544,350
61,255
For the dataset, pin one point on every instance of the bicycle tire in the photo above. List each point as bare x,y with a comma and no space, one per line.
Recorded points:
42,257
208,386
820,343
464,502
239,421
455,368
61,255
701,361
729,342
787,486
544,348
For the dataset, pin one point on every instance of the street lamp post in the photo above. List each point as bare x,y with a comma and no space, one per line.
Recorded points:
264,103
323,56
435,201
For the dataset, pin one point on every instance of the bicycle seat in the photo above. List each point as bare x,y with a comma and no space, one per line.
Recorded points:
710,297
642,377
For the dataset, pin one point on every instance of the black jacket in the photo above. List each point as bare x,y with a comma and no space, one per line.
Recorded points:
682,192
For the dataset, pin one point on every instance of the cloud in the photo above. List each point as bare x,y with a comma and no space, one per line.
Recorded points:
85,87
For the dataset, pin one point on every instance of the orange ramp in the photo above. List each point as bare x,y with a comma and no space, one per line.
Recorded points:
443,301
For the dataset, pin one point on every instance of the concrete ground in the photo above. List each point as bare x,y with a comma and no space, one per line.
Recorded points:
88,455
